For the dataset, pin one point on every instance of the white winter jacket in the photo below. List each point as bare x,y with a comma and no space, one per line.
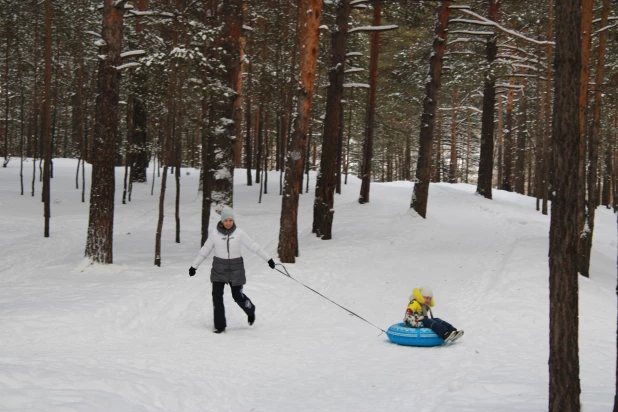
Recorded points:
227,245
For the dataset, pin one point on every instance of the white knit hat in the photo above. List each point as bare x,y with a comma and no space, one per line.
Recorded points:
227,213
426,291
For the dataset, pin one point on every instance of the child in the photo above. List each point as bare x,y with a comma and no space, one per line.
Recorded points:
420,305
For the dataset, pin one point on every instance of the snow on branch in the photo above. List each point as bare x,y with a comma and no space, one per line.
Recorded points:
509,86
133,53
354,70
501,28
604,28
472,32
127,66
610,18
534,76
356,85
138,13
353,54
525,66
93,33
464,40
517,49
373,28
480,23
471,108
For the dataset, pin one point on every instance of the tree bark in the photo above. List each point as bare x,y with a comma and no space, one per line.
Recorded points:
248,145
371,107
522,136
486,161
587,11
548,88
609,171
225,107
139,146
432,87
452,171
593,152
7,148
259,140
327,178
310,13
500,134
564,384
437,167
47,113
507,174
99,243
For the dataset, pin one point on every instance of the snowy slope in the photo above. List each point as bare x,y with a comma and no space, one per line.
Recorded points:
134,337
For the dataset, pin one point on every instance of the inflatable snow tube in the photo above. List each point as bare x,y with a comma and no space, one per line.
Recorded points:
402,335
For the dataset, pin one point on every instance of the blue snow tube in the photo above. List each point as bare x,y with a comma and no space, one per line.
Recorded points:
403,335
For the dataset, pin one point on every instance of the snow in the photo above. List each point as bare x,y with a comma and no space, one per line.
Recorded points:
373,28
132,53
127,65
356,85
135,337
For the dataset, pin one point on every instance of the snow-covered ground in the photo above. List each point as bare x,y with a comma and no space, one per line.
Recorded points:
135,337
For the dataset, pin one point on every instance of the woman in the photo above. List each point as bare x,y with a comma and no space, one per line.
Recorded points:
228,266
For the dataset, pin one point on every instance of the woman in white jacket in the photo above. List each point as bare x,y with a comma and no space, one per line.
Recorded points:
228,266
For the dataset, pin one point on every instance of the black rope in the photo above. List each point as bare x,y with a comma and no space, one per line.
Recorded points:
286,273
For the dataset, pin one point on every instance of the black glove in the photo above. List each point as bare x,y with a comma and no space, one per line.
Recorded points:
271,263
191,271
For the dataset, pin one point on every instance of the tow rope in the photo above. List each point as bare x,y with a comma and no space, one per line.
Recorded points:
286,273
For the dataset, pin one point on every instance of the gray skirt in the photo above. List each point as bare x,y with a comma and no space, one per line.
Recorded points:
228,271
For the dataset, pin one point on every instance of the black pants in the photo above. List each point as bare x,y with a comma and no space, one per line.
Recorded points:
219,308
439,326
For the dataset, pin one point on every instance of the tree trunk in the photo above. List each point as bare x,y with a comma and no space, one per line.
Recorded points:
7,156
522,136
169,139
99,243
507,162
539,130
548,114
259,140
237,109
609,171
331,148
139,148
500,134
486,161
33,145
587,11
339,165
593,151
452,170
248,152
437,169
310,12
206,173
564,384
225,105
432,87
157,259
46,129
371,107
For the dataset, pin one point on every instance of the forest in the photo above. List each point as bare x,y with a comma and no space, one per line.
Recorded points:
518,96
